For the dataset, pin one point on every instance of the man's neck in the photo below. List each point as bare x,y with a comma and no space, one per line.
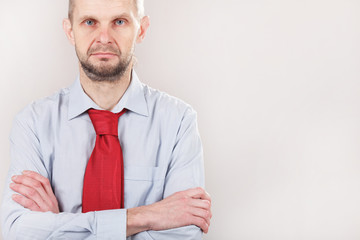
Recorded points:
106,94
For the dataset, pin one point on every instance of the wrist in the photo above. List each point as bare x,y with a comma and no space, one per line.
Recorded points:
137,220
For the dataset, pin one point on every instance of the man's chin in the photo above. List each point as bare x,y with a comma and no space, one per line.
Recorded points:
99,69
103,73
104,66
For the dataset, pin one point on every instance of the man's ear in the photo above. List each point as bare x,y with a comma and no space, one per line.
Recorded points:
68,30
144,25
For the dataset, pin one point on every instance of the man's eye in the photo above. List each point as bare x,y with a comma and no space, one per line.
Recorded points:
119,22
89,22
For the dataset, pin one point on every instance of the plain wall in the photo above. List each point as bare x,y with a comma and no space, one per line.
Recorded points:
276,86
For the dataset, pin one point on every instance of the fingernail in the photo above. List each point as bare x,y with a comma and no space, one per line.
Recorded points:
14,177
12,185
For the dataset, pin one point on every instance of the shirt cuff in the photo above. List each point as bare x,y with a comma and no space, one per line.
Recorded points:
111,224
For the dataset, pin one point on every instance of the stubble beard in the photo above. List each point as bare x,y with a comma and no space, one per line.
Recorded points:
105,71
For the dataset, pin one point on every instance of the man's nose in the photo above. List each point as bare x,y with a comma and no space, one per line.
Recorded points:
104,35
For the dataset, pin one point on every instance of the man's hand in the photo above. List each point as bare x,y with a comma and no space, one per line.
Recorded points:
190,207
36,192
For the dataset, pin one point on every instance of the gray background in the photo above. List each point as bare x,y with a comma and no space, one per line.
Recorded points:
276,87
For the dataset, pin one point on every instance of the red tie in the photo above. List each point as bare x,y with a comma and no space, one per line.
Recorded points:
104,176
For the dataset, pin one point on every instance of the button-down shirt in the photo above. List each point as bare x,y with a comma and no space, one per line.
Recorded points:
55,137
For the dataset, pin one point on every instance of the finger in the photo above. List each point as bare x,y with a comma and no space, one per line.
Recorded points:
201,223
206,196
199,193
25,202
199,203
44,181
29,193
31,183
204,214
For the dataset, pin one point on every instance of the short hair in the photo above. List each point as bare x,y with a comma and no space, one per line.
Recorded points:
139,4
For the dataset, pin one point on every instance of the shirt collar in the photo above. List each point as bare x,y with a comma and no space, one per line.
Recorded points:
133,99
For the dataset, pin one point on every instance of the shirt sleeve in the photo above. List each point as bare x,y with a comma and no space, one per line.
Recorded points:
186,170
20,223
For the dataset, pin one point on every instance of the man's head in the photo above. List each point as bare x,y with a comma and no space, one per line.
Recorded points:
104,33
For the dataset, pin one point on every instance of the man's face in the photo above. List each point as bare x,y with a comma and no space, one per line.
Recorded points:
104,34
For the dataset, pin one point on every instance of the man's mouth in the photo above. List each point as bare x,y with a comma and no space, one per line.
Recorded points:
104,54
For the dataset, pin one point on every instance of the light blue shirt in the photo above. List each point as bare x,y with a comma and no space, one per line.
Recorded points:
54,136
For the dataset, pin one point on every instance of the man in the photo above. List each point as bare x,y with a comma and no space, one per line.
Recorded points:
148,184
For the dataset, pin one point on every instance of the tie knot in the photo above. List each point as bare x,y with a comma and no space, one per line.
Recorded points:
105,122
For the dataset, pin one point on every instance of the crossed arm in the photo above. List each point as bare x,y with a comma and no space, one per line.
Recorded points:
33,211
189,207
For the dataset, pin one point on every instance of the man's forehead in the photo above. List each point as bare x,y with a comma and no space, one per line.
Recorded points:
100,7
